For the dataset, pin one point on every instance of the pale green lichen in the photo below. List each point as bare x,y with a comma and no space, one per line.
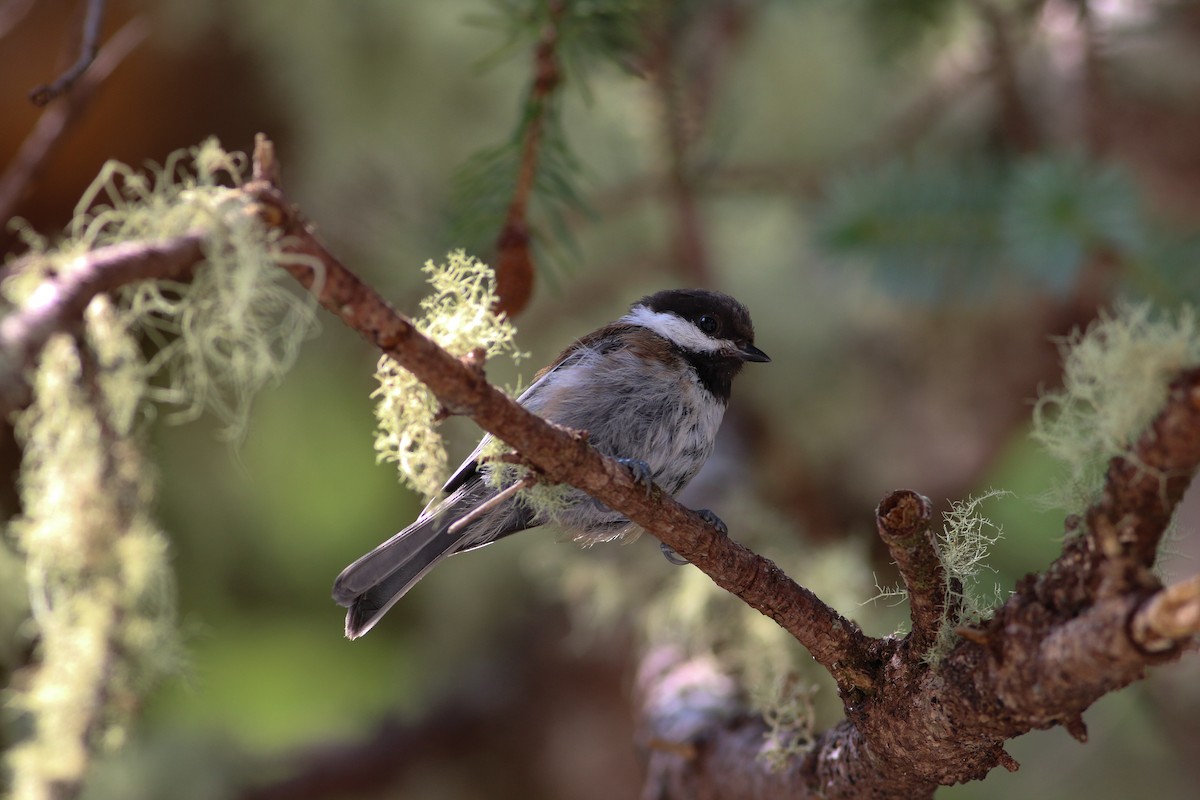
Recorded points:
1115,378
237,326
963,545
545,499
100,587
633,588
458,315
789,710
96,566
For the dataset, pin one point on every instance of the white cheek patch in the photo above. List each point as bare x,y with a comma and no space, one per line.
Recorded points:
673,328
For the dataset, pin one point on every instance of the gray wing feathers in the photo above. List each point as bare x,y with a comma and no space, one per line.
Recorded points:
367,606
372,584
384,560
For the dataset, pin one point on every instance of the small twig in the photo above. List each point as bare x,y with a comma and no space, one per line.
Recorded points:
266,166
58,304
514,262
903,521
1074,725
35,152
87,54
689,248
1016,122
1169,618
1095,88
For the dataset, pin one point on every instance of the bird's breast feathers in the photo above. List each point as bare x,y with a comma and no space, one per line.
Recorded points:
637,397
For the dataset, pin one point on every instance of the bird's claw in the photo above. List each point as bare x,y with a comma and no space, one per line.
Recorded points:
671,556
641,472
709,517
712,519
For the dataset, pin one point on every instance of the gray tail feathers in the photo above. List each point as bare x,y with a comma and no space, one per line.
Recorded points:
373,583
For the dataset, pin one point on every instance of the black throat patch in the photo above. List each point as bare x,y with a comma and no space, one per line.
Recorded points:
716,372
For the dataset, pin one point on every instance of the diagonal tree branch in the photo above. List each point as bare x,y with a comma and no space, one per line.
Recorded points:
562,455
514,259
835,642
1090,624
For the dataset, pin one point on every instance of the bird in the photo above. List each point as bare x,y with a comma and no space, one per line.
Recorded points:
650,389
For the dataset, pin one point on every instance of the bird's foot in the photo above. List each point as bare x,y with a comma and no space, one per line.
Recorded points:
709,517
641,473
670,555
712,519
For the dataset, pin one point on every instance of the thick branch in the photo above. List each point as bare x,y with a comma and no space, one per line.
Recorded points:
1126,526
835,642
1088,626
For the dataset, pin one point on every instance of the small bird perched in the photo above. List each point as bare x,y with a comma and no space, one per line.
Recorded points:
650,389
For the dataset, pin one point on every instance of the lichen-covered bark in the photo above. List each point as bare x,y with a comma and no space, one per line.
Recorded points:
1066,638
1090,624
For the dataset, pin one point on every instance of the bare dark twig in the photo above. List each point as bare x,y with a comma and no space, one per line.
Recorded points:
1097,128
687,50
1016,121
689,253
514,264
88,48
35,152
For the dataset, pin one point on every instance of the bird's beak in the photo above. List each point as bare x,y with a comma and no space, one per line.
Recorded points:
752,353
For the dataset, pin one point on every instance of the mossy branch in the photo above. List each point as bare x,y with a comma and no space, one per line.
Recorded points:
58,303
911,725
1089,625
562,455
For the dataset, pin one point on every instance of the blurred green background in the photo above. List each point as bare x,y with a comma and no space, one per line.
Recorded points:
913,197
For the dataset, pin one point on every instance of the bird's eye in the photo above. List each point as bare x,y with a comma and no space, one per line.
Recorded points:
708,323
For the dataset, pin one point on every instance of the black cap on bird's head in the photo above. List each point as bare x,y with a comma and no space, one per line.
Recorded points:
711,329
721,319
